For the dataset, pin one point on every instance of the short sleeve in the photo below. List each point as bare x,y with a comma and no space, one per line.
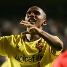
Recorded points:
54,53
2,46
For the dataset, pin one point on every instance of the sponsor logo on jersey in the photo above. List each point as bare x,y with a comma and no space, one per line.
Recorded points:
32,58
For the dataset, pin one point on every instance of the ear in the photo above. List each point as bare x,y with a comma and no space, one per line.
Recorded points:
44,22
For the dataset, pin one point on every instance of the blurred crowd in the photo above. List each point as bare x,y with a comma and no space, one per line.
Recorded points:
12,26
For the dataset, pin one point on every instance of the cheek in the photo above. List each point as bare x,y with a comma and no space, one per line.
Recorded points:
39,21
26,17
38,24
40,17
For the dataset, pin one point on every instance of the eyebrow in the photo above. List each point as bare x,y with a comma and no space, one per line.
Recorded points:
34,11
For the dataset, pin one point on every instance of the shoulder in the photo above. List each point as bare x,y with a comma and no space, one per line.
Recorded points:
12,37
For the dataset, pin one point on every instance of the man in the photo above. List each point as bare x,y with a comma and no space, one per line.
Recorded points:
34,47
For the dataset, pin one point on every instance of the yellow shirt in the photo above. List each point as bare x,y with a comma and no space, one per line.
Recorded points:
26,54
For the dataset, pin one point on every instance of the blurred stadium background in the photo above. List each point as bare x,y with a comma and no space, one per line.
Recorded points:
13,11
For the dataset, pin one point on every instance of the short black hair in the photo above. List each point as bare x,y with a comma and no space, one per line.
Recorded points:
44,14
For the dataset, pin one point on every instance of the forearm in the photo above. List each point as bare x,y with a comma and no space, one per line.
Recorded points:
51,40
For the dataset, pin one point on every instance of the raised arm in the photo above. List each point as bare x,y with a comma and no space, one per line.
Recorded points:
53,41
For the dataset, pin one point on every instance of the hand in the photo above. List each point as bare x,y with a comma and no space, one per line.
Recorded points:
31,28
26,23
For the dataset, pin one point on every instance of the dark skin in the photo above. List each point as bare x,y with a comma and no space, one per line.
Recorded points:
34,21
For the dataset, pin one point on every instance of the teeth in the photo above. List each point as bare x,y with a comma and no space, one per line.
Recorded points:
31,20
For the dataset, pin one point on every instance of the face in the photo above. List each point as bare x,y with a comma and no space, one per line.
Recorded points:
36,16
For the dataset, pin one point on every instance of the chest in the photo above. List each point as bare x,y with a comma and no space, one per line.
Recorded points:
29,51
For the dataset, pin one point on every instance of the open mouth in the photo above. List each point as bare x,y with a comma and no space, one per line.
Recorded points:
32,20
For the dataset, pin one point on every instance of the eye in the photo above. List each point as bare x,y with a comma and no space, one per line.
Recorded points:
29,12
36,12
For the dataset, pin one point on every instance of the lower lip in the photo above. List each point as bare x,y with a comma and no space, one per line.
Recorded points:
32,22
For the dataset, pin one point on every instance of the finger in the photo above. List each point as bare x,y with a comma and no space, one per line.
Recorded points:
24,22
25,32
21,21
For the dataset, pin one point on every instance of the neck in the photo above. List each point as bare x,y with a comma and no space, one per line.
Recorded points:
31,37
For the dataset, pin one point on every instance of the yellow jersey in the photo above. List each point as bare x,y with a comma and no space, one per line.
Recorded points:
23,53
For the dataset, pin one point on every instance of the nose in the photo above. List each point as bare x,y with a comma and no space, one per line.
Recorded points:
32,14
